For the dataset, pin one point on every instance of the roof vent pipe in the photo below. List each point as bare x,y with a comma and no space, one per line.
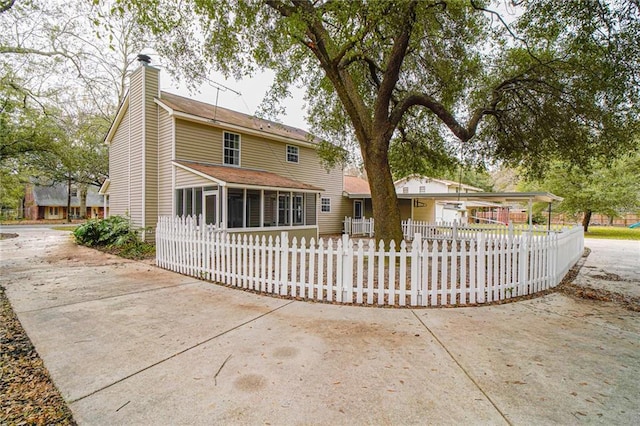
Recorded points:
144,59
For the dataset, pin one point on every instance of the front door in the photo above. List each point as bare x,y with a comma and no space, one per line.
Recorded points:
211,207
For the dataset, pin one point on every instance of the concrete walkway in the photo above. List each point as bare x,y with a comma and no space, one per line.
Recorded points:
128,343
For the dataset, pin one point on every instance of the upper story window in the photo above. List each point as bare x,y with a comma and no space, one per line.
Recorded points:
292,154
231,154
74,191
405,190
423,189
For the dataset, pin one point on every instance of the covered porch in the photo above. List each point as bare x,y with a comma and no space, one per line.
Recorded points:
240,200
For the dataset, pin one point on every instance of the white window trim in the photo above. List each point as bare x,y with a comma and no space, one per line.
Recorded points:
239,149
297,154
322,210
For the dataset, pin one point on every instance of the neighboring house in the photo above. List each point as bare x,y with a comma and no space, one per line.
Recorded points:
438,200
428,209
414,197
170,155
50,202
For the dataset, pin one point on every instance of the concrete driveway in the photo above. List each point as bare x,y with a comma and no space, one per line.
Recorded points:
128,343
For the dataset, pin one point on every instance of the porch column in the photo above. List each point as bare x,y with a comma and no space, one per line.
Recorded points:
244,208
261,208
225,203
290,208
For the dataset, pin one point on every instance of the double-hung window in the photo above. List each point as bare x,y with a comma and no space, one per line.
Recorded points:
231,154
325,205
292,154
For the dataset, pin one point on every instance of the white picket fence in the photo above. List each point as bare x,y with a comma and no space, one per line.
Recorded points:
362,226
454,230
430,273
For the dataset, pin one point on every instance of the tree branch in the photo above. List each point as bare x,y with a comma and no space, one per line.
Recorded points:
392,72
506,26
434,106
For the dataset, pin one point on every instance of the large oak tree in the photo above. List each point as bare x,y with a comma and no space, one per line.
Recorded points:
423,79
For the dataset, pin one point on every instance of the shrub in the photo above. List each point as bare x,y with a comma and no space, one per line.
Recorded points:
116,235
115,230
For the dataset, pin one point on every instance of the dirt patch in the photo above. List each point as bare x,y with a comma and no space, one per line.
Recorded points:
6,236
577,291
28,394
609,277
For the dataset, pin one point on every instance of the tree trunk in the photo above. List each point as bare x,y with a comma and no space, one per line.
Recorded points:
586,219
386,210
82,193
68,199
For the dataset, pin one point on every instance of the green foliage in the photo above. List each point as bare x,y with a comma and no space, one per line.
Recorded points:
115,234
115,230
607,187
331,155
472,176
11,188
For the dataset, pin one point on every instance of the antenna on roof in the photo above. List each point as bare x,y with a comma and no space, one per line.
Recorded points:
218,88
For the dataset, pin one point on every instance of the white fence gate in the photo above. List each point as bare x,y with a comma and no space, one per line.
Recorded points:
424,272
362,226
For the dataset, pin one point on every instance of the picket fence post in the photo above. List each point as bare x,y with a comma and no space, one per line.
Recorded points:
482,271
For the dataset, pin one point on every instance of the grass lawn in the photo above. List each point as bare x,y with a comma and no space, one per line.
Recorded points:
613,233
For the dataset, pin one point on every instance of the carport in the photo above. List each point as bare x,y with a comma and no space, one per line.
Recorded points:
488,197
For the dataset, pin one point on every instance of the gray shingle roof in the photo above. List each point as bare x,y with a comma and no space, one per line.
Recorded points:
56,196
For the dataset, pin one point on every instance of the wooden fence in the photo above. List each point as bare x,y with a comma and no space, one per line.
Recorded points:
429,273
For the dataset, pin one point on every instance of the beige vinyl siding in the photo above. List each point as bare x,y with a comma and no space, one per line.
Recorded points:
165,169
186,179
119,169
198,142
340,207
150,148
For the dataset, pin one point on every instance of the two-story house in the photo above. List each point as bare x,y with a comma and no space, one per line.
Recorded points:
170,155
427,207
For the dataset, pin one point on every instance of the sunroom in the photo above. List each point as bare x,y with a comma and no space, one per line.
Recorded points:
245,200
